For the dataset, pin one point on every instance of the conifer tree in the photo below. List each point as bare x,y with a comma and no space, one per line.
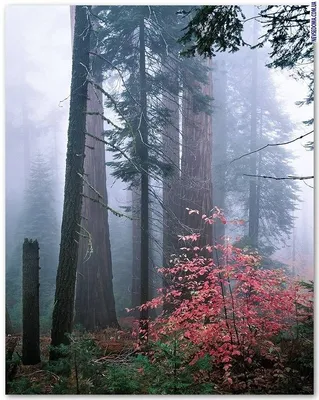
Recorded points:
62,321
121,26
94,306
275,201
38,220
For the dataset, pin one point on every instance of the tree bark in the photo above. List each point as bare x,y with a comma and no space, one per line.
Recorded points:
259,181
142,145
136,242
252,233
30,300
196,176
171,184
9,326
94,304
62,320
219,146
171,200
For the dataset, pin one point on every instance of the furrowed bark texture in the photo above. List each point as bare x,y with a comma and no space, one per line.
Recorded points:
171,184
220,146
94,305
196,178
30,301
253,217
136,236
62,320
9,326
171,198
143,152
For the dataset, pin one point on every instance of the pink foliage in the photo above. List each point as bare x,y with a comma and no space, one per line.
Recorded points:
230,311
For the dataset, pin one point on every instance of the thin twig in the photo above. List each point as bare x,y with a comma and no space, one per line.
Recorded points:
271,145
47,372
307,184
300,178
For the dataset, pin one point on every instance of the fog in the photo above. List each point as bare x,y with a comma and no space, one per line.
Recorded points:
37,88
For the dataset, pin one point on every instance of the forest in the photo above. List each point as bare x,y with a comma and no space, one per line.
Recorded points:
159,199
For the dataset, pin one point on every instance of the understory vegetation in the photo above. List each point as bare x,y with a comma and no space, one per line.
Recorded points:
233,327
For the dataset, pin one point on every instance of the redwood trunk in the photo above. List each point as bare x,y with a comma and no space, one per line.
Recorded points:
171,186
171,198
196,176
142,143
253,217
94,305
220,147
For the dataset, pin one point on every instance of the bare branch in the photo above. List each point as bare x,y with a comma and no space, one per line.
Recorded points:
307,184
289,177
271,145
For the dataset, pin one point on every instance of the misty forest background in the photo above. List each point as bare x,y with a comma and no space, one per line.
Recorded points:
203,117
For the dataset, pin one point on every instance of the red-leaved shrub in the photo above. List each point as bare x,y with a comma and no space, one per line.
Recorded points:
231,309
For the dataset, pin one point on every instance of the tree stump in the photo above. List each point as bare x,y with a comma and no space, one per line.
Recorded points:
30,300
9,326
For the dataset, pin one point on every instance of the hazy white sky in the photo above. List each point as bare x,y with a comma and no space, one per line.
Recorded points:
46,29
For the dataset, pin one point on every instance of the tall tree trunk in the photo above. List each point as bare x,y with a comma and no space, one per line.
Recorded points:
136,242
219,145
252,233
151,252
30,300
95,304
171,184
62,320
142,142
196,176
136,259
259,180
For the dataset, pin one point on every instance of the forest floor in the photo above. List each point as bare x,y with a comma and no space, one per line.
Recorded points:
106,362
110,349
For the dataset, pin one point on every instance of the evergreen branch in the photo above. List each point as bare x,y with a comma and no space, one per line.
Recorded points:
271,145
119,72
99,87
114,147
118,214
104,119
161,29
138,169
